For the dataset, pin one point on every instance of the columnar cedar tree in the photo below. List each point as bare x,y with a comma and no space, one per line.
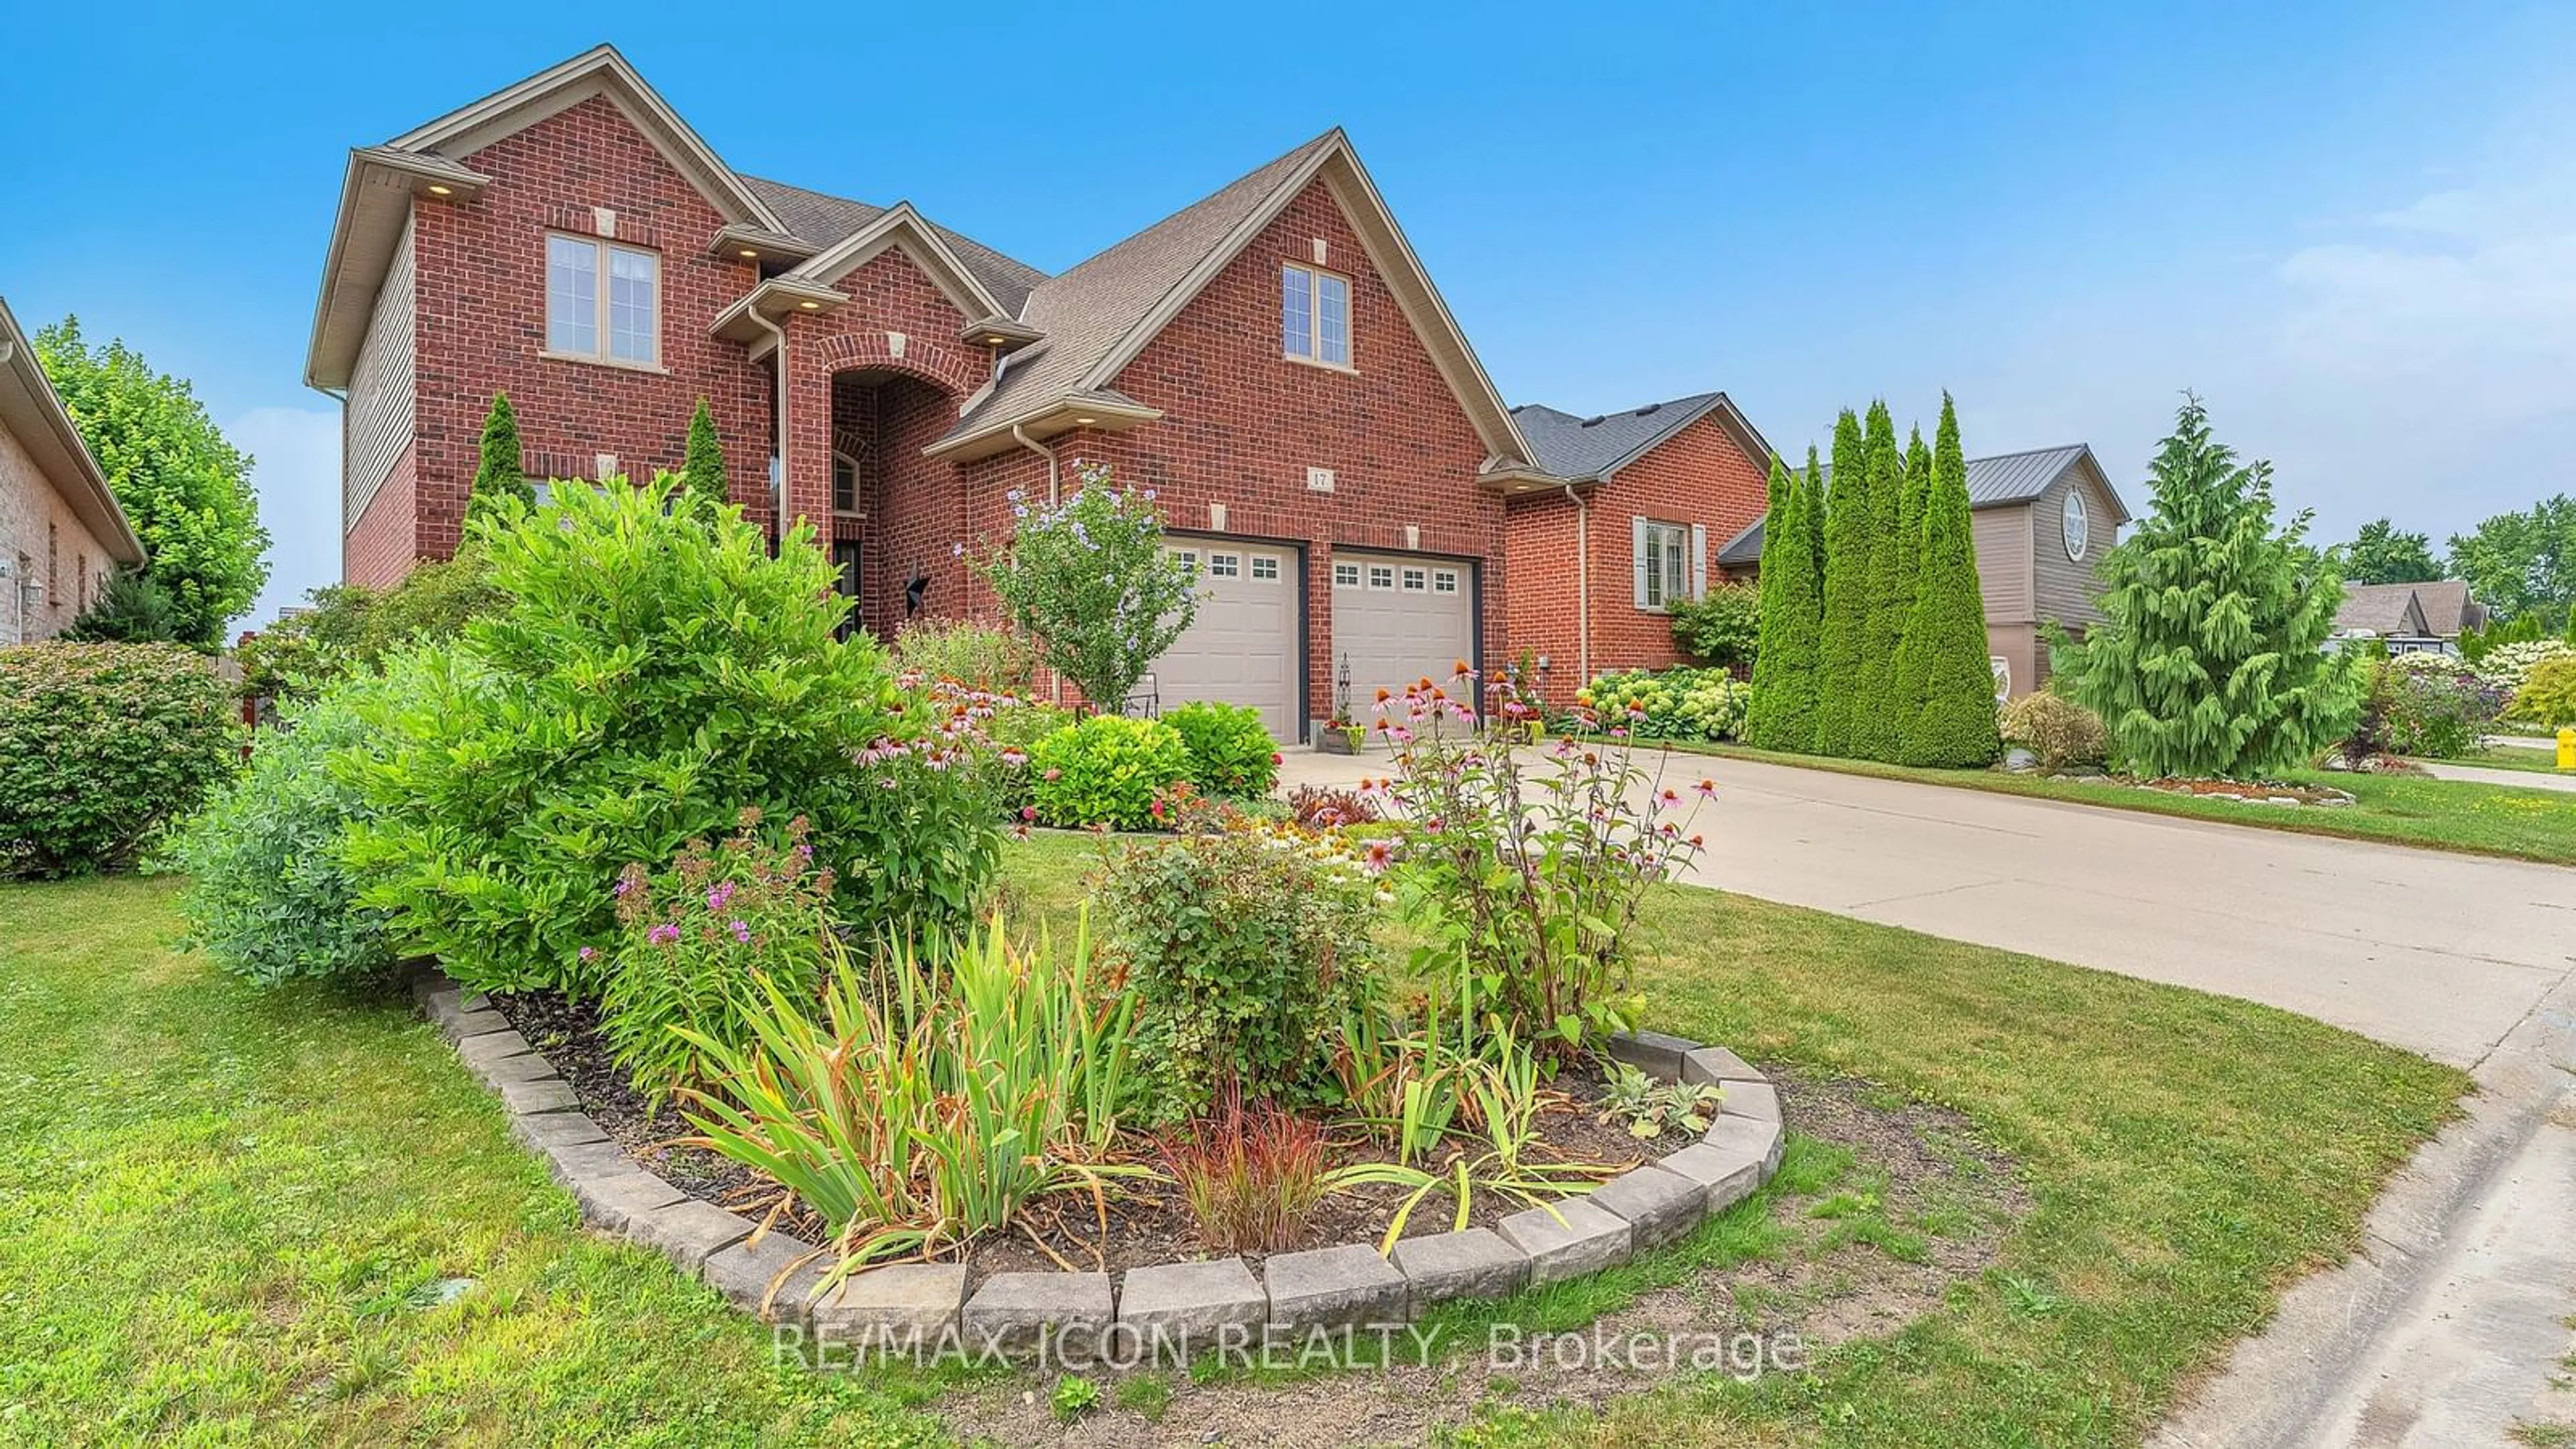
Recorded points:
1876,726
1845,630
702,467
1782,714
499,476
1950,720
2210,658
1902,689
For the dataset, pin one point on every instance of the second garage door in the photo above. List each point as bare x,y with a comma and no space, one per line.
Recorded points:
1398,618
1242,644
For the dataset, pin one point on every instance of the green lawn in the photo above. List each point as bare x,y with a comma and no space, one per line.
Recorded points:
2513,757
225,1214
2468,816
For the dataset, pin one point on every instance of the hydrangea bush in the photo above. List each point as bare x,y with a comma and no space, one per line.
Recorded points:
2507,666
1673,704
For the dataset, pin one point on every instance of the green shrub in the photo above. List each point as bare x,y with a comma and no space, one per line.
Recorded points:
1089,580
966,653
1242,945
269,895
2056,729
2548,695
1723,629
1675,704
132,607
1107,770
691,938
352,630
1230,750
653,670
1015,730
2427,706
101,747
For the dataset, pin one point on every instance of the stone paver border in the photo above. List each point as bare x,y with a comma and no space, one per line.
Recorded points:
776,1278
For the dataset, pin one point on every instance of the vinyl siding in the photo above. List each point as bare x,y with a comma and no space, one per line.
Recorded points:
2002,537
383,408
2066,588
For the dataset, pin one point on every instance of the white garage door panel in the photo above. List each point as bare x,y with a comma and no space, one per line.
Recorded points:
1400,617
1241,646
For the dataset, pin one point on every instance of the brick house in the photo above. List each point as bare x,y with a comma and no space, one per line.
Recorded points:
61,532
1627,524
1272,360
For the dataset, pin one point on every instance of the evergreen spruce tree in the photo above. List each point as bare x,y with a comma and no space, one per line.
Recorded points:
499,477
1902,688
702,467
1841,669
1782,715
2209,658
1949,720
1877,725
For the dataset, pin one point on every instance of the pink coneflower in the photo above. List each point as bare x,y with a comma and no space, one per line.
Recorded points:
1378,856
1707,789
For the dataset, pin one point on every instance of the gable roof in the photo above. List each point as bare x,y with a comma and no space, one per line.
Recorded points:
34,414
2438,609
1096,316
1577,449
825,221
1744,551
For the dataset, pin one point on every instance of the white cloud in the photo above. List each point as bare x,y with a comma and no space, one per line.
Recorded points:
295,469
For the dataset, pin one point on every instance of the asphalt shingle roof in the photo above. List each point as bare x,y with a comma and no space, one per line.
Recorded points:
824,220
2382,608
1572,447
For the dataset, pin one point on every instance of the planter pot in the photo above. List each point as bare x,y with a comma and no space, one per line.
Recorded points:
1330,741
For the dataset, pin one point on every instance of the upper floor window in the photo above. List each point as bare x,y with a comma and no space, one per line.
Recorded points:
603,300
1315,315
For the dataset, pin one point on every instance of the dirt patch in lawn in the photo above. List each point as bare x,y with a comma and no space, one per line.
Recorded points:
1922,1203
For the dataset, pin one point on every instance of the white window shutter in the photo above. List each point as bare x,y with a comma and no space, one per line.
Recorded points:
1640,555
1699,561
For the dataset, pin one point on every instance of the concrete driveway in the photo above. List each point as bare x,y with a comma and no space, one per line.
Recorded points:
2449,1326
2441,953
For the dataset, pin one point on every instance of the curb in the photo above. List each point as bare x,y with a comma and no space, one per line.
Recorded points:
1655,1203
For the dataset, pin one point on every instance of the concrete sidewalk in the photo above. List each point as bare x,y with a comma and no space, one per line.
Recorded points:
2483,775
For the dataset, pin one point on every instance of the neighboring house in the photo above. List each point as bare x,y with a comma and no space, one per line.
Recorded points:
1272,361
61,533
2410,618
2042,521
1625,528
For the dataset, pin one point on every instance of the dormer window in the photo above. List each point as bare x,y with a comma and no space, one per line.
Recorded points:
1315,315
603,301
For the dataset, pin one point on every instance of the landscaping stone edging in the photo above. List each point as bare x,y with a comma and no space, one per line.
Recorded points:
1646,1207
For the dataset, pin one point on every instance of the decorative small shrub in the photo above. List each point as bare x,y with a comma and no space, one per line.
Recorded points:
101,747
1230,750
652,672
1242,942
269,895
692,937
1675,704
931,1098
1107,770
1252,1177
1722,630
1329,807
132,607
1089,580
2056,729
964,652
2548,696
1524,881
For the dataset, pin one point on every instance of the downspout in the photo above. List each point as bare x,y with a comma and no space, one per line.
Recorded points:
1582,588
1019,434
778,334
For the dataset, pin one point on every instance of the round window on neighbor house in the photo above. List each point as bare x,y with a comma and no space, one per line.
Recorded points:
2078,527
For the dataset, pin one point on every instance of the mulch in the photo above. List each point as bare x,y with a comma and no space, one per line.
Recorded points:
1146,1222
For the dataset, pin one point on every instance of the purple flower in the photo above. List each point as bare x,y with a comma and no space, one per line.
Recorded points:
741,932
663,935
586,953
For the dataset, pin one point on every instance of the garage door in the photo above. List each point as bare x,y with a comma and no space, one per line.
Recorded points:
1398,618
1241,647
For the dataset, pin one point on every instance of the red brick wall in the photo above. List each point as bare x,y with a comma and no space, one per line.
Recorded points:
1540,542
482,319
1698,475
385,543
1242,424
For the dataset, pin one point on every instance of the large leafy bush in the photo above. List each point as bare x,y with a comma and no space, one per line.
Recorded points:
1243,941
1107,770
355,630
652,671
1675,704
269,894
103,745
2428,706
1230,750
2505,666
1723,628
2548,696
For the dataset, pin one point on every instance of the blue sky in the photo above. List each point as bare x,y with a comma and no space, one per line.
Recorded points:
2351,227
